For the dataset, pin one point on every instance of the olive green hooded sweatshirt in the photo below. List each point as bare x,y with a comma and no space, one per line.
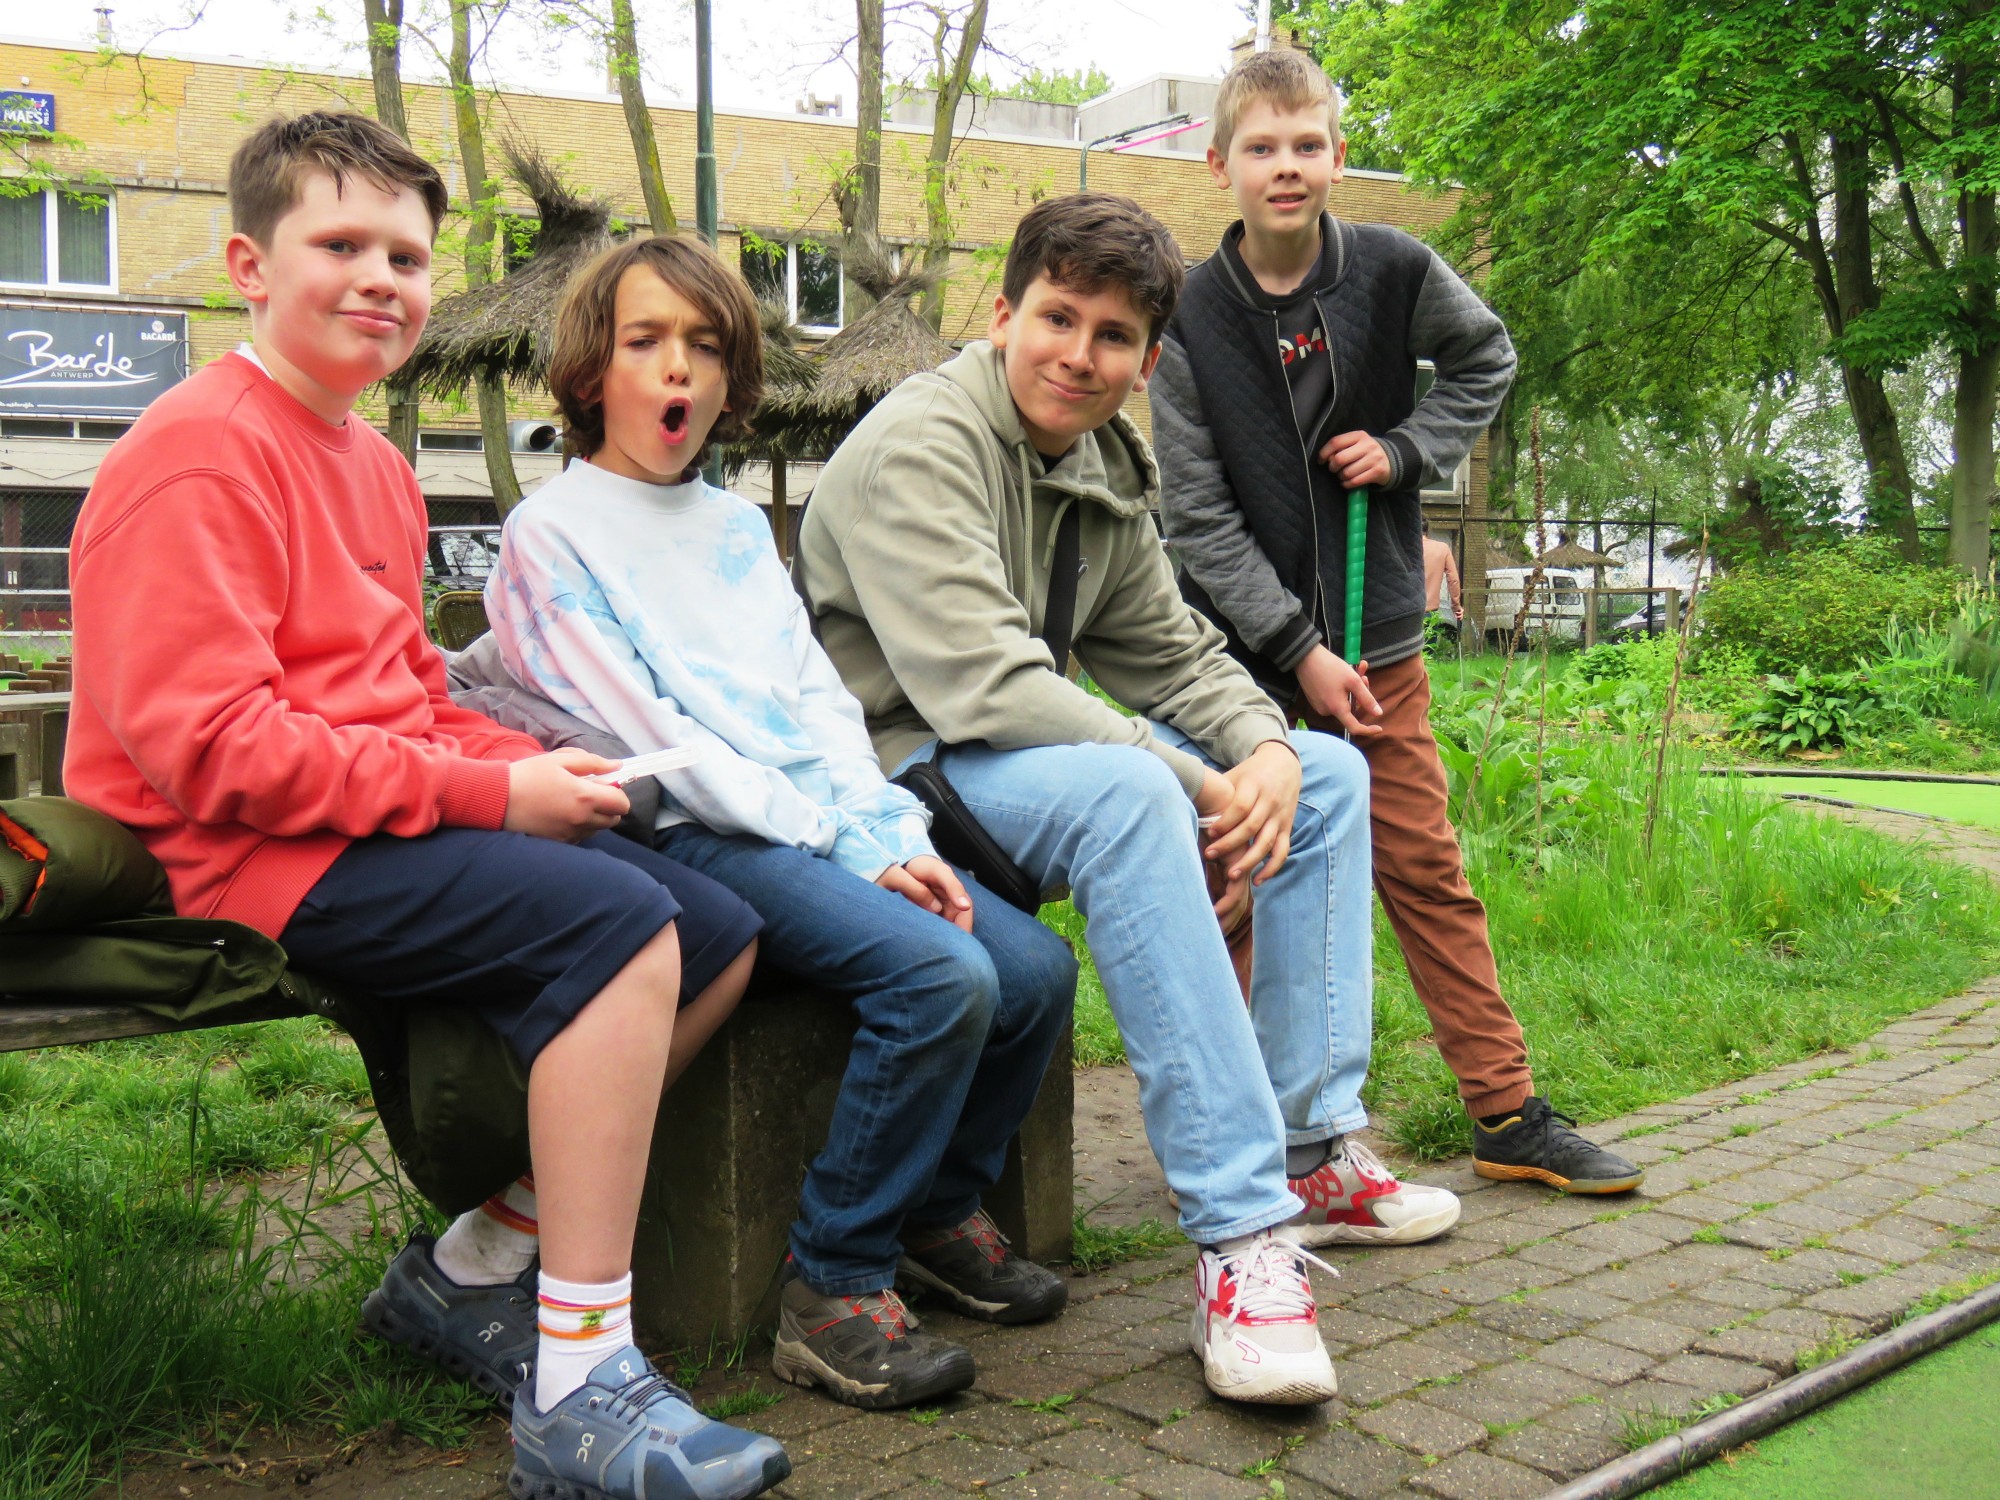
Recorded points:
925,557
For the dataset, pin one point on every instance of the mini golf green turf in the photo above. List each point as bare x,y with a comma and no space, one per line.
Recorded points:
1924,1432
1959,801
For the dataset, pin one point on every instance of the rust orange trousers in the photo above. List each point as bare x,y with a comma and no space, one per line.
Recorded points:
1420,877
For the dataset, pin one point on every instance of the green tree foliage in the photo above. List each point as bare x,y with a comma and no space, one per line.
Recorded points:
1701,155
1052,85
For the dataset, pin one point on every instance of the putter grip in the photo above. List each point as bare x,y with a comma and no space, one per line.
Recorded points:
1357,567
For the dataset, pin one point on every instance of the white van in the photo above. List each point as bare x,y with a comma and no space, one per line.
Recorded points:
1556,609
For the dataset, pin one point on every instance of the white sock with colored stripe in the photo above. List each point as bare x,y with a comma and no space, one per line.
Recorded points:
582,1326
495,1242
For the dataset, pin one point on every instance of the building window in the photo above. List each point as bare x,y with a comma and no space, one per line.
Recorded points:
802,278
56,239
446,441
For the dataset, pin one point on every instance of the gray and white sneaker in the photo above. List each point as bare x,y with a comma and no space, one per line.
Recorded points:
629,1433
484,1334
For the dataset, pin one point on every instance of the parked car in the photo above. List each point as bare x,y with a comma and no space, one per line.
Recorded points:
1651,620
1556,608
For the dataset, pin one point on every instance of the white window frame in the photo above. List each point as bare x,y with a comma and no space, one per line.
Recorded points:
1459,481
792,292
51,251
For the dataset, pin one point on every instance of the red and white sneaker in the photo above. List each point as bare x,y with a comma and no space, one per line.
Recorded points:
1355,1200
1255,1326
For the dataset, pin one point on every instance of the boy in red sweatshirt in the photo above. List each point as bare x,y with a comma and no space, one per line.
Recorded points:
258,700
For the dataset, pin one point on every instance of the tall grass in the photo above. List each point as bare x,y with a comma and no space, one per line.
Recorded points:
152,1295
1751,934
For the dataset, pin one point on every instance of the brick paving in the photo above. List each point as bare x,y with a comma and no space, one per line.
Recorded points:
1545,1334
1781,1214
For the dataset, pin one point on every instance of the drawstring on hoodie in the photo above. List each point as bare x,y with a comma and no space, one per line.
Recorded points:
1028,503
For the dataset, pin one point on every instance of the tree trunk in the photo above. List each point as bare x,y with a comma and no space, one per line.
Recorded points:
1975,109
385,68
861,201
1890,506
1973,409
781,516
480,190
937,165
638,118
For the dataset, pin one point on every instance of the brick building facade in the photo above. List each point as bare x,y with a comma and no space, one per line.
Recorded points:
155,139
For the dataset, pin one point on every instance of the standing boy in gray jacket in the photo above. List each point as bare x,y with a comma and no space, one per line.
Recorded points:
926,558
1287,379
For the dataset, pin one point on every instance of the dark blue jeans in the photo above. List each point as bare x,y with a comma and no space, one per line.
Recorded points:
956,1032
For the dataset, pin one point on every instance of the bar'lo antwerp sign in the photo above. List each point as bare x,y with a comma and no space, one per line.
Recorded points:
85,362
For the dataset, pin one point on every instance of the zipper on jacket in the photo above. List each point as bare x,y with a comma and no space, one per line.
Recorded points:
1320,618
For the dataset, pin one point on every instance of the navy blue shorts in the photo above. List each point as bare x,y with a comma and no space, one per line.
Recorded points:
526,930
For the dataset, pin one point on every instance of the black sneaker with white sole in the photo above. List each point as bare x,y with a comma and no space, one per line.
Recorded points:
1535,1144
972,1268
484,1334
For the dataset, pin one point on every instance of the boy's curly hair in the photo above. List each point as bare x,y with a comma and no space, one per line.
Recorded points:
586,326
265,172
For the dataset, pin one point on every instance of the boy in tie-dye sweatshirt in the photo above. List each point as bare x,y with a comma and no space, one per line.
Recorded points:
648,603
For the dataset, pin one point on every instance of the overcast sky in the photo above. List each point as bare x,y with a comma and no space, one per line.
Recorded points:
768,52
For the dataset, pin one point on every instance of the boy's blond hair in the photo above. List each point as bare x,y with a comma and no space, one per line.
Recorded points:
1287,78
265,172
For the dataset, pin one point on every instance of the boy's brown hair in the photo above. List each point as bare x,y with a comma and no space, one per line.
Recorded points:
1086,242
1285,77
265,172
586,326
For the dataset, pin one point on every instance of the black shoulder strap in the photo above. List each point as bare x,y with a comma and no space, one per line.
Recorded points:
1059,618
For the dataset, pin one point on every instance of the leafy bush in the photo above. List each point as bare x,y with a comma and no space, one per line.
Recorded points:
1823,609
1607,661
1812,710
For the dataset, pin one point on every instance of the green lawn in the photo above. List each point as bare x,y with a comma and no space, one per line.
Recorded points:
1958,801
1923,1432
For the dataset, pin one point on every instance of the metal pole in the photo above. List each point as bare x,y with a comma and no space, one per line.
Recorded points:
704,161
1263,25
704,125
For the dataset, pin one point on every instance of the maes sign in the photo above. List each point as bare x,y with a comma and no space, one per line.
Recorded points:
60,361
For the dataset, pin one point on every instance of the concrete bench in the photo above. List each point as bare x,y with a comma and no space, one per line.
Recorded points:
729,1151
732,1141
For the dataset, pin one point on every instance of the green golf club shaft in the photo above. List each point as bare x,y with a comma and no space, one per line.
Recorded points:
1357,565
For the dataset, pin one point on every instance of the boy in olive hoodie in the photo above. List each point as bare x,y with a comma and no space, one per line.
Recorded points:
926,556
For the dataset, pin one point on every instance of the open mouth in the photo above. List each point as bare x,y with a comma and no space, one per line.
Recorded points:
677,420
1287,200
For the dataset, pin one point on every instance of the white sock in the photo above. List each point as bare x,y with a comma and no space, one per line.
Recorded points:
495,1242
582,1326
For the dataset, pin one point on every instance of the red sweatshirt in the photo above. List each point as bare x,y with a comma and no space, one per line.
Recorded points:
254,685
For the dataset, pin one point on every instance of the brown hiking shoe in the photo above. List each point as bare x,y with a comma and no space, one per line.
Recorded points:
867,1351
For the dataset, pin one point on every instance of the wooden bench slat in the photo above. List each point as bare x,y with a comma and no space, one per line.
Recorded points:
26,1026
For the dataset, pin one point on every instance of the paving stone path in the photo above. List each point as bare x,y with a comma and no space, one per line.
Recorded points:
1781,1215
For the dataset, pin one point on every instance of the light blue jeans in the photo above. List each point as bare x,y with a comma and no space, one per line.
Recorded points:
1223,1090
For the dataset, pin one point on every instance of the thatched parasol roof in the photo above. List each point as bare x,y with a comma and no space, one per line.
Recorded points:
863,362
789,376
1568,554
508,325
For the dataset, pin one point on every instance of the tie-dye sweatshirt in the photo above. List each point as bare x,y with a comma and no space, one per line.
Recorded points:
662,614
